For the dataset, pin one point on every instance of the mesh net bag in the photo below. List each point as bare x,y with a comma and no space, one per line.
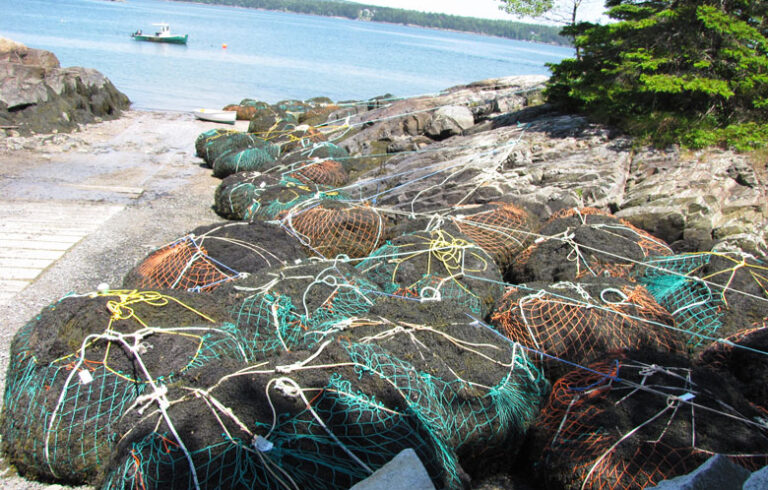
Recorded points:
233,142
310,301
581,243
501,229
330,417
710,294
214,255
333,228
436,266
299,137
317,151
325,172
252,195
625,423
74,374
579,323
744,356
242,161
206,136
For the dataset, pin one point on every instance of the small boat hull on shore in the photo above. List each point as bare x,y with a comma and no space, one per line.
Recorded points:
215,115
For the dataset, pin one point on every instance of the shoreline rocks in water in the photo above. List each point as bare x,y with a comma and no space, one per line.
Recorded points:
502,288
37,95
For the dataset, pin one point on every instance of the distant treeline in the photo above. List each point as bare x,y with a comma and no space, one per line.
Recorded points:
330,8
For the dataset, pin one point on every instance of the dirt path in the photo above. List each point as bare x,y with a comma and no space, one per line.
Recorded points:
80,210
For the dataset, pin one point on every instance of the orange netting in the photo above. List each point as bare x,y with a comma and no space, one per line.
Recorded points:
181,265
326,172
502,231
598,269
331,230
579,330
583,444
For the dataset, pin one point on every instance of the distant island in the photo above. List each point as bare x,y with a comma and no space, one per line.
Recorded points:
357,11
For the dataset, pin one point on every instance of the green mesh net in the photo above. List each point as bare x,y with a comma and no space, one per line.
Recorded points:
233,142
690,300
436,266
256,196
73,375
353,407
281,320
241,161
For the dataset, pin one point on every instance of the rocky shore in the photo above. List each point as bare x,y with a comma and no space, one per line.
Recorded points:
37,95
414,245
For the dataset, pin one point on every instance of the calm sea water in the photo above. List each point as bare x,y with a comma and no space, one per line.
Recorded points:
269,56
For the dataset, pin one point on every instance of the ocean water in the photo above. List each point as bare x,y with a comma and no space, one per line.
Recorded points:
269,56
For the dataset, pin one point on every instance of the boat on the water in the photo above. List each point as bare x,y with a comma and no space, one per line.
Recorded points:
162,35
216,115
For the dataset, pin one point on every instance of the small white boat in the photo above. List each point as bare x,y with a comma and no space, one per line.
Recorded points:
216,115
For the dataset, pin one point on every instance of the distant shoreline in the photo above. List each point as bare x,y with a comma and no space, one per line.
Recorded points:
550,31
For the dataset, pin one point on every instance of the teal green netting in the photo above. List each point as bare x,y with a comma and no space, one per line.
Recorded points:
233,142
278,323
693,305
60,415
205,136
346,431
82,437
450,417
241,161
250,200
413,270
299,453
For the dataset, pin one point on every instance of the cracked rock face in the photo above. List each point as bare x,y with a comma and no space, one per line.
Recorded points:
38,96
546,161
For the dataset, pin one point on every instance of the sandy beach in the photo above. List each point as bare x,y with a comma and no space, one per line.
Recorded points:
138,181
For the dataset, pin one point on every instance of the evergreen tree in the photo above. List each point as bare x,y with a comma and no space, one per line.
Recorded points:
688,71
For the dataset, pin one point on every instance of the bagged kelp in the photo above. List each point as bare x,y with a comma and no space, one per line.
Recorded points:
233,142
569,323
500,228
74,374
331,228
249,159
213,255
297,306
436,266
253,195
711,295
631,421
580,243
328,418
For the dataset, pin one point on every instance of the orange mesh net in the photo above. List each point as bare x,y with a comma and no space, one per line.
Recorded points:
331,230
579,330
597,268
502,231
182,265
326,172
584,446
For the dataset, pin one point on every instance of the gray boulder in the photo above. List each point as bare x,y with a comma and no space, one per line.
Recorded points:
717,473
449,121
404,471
757,481
37,96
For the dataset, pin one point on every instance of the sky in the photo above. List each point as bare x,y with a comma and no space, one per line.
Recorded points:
488,9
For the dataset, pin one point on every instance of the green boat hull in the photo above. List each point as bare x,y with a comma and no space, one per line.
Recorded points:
161,39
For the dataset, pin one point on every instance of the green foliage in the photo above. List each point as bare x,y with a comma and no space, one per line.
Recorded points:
529,8
693,72
351,10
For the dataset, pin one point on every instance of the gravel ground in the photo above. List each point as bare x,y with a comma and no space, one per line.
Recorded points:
151,150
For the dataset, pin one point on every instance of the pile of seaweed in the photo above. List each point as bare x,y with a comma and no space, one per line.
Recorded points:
314,334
